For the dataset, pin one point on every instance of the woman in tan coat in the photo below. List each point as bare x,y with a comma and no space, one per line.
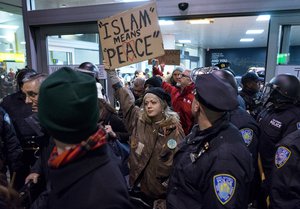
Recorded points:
155,134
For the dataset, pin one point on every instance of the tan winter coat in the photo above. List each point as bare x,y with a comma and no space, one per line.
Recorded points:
151,156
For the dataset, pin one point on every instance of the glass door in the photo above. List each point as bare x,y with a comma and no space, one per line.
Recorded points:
284,46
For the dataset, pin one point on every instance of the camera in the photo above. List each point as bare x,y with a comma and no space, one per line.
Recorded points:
183,6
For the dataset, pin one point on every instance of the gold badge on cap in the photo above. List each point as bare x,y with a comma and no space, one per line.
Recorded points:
172,144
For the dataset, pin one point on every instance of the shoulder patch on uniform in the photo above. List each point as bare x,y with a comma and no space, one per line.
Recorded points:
6,118
247,134
224,186
298,125
282,156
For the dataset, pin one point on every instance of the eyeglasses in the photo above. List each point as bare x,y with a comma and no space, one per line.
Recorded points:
185,76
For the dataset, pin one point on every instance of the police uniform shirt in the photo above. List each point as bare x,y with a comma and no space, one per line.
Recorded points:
213,169
275,124
248,128
285,186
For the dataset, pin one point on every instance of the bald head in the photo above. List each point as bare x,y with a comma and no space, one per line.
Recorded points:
138,88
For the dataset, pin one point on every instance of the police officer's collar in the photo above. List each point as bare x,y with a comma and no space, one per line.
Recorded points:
198,135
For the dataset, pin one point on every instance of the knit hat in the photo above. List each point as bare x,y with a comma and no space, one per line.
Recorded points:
160,93
178,68
154,81
68,106
215,94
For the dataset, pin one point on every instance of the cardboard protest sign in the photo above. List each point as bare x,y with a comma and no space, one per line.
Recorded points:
171,57
130,37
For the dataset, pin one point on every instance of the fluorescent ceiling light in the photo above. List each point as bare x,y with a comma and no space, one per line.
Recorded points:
263,18
254,31
23,42
201,21
9,26
184,41
8,49
166,22
246,39
4,37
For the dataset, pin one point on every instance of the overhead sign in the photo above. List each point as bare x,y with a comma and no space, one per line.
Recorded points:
130,37
171,57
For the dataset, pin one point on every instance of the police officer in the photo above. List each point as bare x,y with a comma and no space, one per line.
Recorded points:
280,117
251,92
249,129
285,186
213,168
241,118
92,70
10,148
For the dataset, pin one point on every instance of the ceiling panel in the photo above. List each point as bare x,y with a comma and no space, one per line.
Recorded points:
223,33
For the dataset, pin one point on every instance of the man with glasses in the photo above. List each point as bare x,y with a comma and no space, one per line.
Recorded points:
18,110
181,99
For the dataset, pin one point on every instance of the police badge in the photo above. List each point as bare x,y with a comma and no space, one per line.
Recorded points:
282,156
224,185
247,135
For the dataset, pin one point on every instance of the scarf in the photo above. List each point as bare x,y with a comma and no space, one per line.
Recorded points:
93,142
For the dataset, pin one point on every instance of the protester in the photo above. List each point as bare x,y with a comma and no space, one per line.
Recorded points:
82,173
155,135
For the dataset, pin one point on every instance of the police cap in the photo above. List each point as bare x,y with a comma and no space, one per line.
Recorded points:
250,76
215,94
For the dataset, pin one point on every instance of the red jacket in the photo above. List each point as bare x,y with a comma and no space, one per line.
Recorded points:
182,104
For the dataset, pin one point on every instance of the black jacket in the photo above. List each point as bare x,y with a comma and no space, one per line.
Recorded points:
248,127
91,182
217,178
285,186
275,124
18,110
10,148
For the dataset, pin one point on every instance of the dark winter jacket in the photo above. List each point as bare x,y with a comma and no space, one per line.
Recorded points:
10,148
18,110
212,170
285,186
91,182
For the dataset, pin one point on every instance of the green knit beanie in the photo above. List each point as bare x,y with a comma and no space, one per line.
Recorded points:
67,105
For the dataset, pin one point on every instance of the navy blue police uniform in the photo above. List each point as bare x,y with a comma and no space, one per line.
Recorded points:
248,127
275,124
213,168
285,186
11,151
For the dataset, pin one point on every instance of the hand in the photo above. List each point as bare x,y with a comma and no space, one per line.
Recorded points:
109,130
33,176
106,65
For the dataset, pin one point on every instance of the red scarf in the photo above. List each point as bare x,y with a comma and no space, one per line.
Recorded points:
93,142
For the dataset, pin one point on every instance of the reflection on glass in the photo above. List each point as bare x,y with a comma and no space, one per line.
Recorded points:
12,51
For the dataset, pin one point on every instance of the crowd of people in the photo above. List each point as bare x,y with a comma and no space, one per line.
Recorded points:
187,140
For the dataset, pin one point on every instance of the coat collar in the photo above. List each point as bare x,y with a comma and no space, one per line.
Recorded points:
197,136
64,177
